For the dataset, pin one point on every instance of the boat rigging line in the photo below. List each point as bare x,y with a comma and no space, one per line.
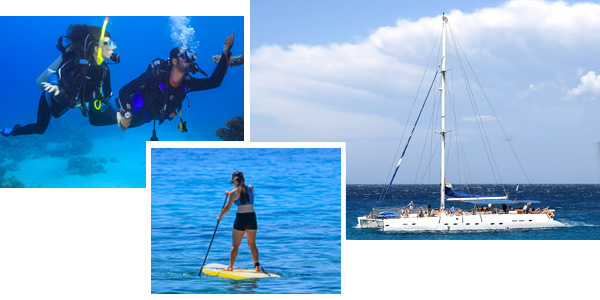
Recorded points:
408,141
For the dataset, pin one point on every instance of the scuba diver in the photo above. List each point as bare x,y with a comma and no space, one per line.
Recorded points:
159,92
81,77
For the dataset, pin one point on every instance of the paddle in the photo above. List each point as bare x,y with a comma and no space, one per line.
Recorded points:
211,240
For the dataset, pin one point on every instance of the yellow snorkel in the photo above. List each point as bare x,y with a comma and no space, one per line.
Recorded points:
99,58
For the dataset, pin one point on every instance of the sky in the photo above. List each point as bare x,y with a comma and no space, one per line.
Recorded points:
329,71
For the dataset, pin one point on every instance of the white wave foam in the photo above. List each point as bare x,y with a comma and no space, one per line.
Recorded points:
182,33
578,223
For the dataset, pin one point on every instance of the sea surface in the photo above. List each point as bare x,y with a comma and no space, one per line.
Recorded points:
298,208
577,205
116,158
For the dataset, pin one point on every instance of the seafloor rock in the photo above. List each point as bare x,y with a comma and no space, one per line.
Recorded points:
81,143
58,150
86,165
11,183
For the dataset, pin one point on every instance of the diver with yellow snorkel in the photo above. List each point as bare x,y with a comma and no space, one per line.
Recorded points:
81,77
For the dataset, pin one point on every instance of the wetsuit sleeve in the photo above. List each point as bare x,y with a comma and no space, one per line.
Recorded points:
127,92
215,79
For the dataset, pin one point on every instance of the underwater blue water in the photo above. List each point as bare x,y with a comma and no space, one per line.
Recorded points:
297,203
29,48
578,205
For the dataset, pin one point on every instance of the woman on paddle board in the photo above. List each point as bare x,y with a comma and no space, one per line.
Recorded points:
245,221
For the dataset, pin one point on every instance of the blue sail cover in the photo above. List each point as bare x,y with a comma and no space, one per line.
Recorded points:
483,201
451,193
388,214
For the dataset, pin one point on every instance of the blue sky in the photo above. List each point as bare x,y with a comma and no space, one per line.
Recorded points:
332,71
323,22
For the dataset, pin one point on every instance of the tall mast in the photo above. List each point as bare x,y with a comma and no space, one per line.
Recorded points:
443,108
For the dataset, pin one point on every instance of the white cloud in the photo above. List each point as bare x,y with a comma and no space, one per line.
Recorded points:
589,87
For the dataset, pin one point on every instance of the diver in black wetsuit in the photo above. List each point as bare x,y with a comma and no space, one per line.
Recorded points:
78,80
159,92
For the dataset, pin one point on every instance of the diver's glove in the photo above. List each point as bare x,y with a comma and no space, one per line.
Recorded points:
124,119
51,88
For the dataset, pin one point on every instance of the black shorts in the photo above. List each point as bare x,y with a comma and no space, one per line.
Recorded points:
245,221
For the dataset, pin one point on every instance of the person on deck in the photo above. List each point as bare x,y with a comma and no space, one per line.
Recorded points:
82,77
245,221
159,92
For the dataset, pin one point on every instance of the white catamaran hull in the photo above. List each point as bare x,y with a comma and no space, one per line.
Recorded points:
465,222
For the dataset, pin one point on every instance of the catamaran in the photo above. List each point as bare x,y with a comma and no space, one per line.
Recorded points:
488,212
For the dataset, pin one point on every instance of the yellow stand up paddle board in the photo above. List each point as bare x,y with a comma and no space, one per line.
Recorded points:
237,273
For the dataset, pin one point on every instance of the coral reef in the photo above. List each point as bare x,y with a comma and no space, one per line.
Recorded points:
233,61
14,151
19,148
11,183
235,132
86,165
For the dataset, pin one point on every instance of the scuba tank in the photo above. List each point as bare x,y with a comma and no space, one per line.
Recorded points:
45,76
53,67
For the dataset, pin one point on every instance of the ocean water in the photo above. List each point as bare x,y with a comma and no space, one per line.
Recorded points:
577,205
298,208
43,160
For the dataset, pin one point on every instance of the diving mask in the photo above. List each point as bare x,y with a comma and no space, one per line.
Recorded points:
187,55
111,43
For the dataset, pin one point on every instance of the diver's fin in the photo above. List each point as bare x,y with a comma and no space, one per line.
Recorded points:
8,130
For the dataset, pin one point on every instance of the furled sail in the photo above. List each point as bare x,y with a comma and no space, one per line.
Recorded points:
454,195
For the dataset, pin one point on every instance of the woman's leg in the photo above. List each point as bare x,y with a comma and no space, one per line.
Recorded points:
237,237
251,239
43,119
